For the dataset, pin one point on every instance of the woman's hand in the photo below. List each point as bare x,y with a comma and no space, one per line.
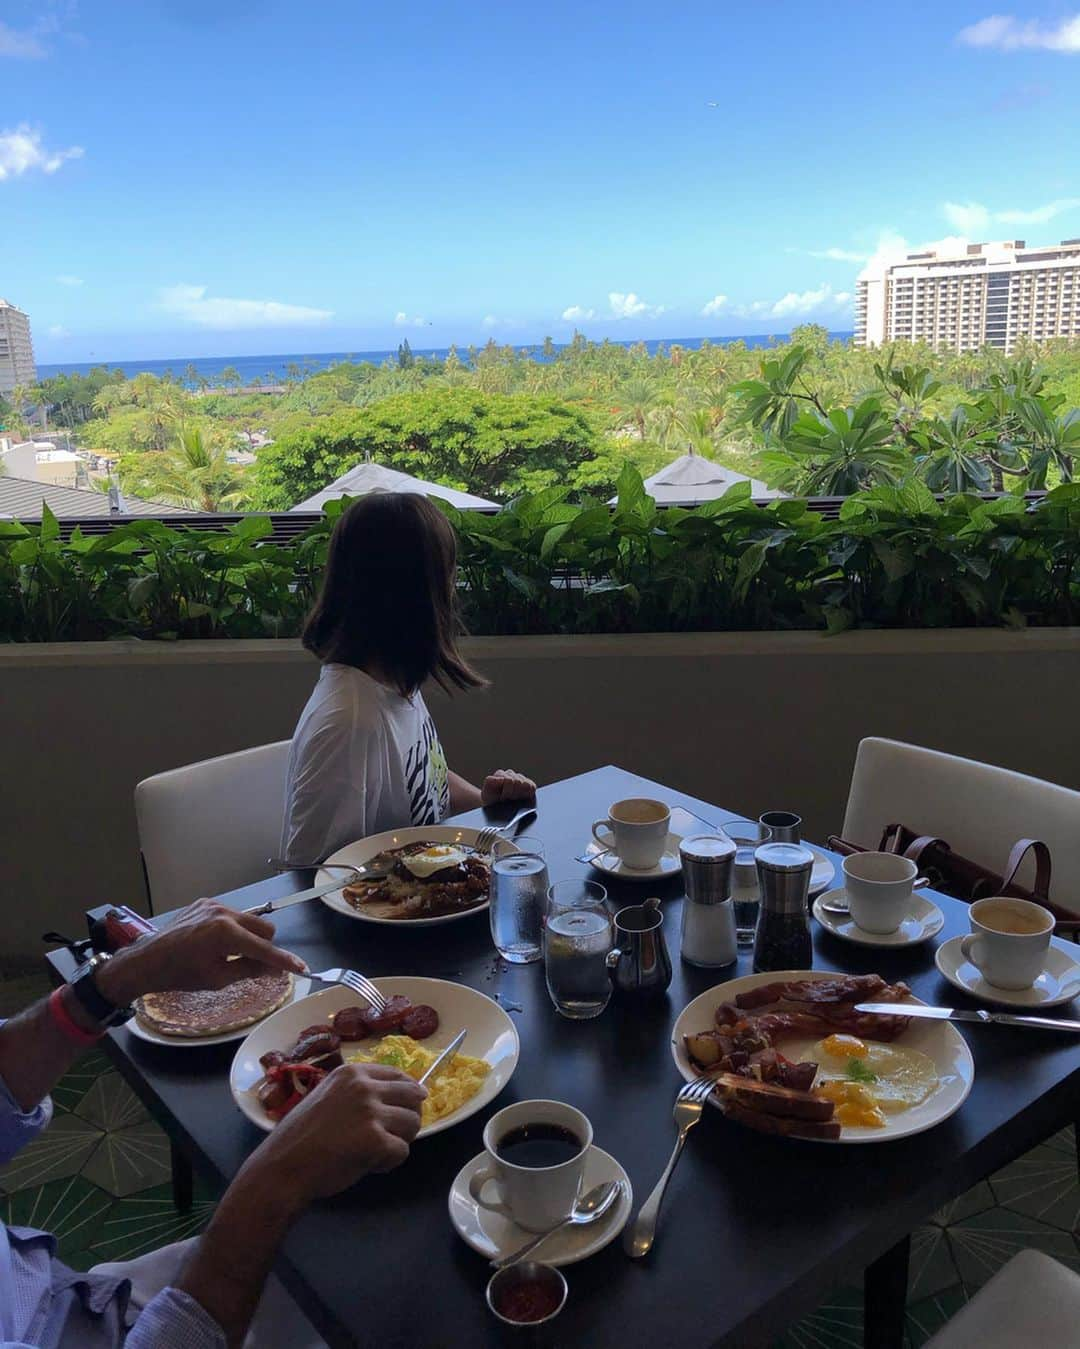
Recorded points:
506,785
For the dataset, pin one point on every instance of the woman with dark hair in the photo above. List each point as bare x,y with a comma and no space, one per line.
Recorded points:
366,755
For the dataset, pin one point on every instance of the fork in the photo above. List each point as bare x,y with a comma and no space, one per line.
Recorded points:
490,834
357,982
638,1238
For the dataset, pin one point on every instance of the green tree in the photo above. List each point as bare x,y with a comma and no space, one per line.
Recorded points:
405,358
230,375
190,473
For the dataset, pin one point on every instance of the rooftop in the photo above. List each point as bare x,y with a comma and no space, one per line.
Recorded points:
21,499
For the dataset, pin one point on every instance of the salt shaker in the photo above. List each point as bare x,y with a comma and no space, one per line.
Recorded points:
783,940
708,921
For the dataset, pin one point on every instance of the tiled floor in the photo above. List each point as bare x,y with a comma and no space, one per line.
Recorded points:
99,1179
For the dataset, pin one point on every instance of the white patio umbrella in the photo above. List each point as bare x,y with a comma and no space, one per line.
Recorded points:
692,479
369,477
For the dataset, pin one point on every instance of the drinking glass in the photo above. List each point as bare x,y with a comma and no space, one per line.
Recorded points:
747,836
519,886
578,936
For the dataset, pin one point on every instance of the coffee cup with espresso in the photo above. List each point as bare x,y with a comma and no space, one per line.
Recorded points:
636,830
536,1160
1009,940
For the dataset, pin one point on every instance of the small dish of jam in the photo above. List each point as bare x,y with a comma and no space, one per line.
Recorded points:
526,1294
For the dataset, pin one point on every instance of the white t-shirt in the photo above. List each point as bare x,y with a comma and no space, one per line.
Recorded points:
363,760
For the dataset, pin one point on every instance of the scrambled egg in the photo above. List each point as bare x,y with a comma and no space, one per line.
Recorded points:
455,1083
869,1081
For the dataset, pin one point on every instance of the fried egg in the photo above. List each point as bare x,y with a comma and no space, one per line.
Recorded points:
873,1077
435,857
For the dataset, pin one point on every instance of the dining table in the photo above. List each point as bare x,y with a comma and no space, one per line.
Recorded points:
755,1230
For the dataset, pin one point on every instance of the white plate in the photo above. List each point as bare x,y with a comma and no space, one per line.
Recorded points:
364,849
1058,983
492,1036
301,988
926,921
937,1039
493,1236
823,874
610,864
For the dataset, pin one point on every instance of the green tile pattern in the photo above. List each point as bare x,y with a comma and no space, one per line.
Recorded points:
99,1179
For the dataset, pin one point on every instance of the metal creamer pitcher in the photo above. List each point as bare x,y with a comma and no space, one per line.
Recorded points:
641,963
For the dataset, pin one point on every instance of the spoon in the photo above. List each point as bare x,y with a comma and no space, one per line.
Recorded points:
586,1210
837,906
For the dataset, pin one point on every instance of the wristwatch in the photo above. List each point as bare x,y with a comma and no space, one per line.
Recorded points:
92,1001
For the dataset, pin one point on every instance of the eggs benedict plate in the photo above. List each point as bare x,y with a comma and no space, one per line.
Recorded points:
434,875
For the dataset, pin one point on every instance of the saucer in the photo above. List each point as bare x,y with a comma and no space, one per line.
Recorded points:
609,862
493,1236
1058,983
925,921
823,874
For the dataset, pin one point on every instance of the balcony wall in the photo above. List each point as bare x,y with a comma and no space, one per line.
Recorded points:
748,720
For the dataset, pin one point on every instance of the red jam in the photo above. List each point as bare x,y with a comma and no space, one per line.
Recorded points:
525,1302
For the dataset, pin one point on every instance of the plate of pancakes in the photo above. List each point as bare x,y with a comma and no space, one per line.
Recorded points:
214,1016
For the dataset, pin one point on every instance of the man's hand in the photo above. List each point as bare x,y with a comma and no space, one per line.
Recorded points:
506,785
194,952
360,1118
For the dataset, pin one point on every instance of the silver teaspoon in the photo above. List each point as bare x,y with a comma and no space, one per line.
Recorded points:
586,1210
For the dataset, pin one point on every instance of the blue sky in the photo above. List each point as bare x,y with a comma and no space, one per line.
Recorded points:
175,181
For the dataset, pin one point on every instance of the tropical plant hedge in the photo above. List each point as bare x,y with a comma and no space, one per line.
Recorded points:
895,558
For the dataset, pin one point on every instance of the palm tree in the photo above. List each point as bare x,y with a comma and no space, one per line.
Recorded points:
191,473
637,397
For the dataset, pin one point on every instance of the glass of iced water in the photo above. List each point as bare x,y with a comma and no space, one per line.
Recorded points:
748,836
519,886
578,936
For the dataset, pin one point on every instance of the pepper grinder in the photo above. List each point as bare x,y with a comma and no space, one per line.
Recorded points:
782,941
708,920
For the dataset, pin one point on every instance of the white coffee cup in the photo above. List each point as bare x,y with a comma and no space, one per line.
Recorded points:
533,1197
637,830
1009,940
878,886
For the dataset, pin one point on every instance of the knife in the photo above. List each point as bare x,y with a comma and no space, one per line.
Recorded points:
448,1053
960,1014
287,901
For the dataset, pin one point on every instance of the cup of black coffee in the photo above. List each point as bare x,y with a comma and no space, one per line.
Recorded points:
536,1159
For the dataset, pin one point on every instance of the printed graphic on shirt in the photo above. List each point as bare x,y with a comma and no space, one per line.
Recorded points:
427,778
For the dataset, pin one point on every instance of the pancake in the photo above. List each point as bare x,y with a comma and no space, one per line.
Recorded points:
214,1011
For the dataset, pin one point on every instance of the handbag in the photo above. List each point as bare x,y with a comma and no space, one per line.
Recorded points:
950,873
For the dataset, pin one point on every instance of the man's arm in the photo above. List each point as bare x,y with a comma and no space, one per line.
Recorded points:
192,953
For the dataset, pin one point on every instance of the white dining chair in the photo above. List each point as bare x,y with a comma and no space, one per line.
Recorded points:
1033,1300
211,826
978,809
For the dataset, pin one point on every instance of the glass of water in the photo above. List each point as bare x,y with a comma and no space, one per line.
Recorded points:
519,886
578,936
747,836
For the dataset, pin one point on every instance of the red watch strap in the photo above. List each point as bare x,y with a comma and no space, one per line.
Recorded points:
66,1024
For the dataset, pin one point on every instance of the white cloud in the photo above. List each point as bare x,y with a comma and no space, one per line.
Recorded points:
1040,214
714,306
800,304
193,304
58,330
837,254
21,151
576,312
23,45
1005,33
402,320
65,279
969,218
631,306
489,321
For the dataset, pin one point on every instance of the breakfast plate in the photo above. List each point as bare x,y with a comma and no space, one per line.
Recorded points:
363,850
492,1036
939,1041
301,987
492,1235
1058,983
925,921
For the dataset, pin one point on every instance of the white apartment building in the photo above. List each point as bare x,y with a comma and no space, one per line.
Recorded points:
16,348
988,295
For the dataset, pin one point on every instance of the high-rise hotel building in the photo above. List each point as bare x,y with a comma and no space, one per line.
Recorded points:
16,349
987,295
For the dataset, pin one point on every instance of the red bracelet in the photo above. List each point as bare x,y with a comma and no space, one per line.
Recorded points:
65,1023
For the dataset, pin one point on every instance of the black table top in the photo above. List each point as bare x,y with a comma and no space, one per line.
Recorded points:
754,1230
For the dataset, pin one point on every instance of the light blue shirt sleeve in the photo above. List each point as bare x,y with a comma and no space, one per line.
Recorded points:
174,1320
17,1126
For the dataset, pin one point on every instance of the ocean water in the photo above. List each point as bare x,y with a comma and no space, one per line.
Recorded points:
273,369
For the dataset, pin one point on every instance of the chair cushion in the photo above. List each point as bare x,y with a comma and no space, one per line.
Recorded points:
1033,1302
